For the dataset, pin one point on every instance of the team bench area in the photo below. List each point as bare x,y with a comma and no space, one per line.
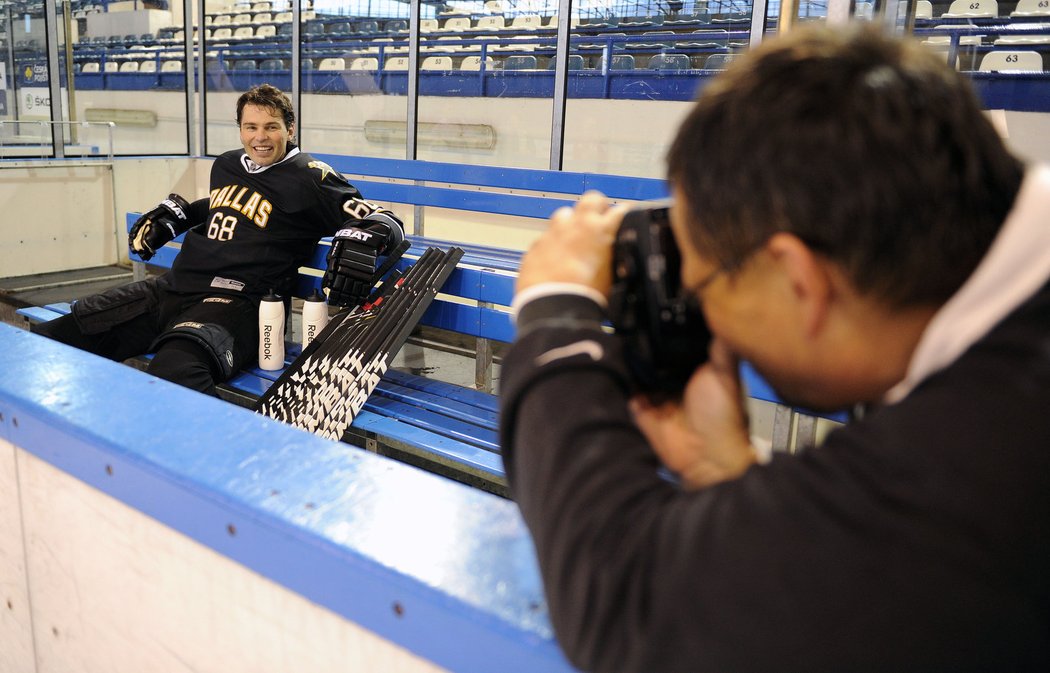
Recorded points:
444,427
441,426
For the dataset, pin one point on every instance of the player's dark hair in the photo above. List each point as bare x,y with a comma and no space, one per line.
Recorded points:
270,97
868,148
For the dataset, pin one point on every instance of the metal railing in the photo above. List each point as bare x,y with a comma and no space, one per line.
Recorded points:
14,139
21,140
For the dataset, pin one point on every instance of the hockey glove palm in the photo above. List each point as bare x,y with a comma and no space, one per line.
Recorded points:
352,265
160,225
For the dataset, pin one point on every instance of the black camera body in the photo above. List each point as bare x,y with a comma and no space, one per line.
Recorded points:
665,335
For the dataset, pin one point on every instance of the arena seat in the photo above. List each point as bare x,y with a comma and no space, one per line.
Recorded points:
494,6
620,62
365,63
654,39
1022,39
241,19
716,38
520,62
282,17
262,17
964,9
245,64
331,63
575,62
640,21
269,30
698,17
244,33
490,23
272,64
457,23
171,66
436,63
396,26
222,20
449,43
339,28
90,67
1003,60
148,66
718,61
669,62
111,66
222,34
474,63
945,40
923,9
128,66
366,27
428,25
552,22
396,63
1031,8
527,22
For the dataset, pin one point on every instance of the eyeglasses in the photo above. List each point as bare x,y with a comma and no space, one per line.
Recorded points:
698,288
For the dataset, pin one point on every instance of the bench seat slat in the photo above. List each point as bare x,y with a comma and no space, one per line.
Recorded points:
454,451
428,420
451,391
431,402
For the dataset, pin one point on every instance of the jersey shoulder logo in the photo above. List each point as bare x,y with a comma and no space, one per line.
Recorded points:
321,166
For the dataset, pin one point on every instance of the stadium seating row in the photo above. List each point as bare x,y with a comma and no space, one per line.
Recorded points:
971,9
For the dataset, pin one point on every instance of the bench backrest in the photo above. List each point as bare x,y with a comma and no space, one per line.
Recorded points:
485,276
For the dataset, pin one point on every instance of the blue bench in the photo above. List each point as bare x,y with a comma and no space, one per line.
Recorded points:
437,425
440,426
448,428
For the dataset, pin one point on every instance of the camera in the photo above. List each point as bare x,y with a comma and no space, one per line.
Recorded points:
665,335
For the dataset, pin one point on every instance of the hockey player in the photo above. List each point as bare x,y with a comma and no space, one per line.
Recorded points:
269,203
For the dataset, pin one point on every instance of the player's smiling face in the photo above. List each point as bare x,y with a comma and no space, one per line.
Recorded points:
264,134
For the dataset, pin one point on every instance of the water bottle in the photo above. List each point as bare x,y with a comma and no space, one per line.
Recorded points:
315,317
271,332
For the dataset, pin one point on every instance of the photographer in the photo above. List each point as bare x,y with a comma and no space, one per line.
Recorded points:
854,228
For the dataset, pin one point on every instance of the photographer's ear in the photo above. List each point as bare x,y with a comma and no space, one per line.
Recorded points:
810,283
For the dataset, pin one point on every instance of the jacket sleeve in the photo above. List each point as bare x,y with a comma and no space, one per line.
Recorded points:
854,556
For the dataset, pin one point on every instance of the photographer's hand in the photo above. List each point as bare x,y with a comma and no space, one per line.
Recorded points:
705,438
576,248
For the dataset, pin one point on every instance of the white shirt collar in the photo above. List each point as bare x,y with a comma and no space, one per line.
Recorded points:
1015,267
253,167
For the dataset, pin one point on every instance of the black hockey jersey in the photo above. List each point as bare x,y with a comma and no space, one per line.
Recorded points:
263,224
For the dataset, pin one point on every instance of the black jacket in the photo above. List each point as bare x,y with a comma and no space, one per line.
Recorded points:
917,539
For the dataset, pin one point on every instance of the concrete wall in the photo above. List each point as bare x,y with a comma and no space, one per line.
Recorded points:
68,215
197,535
115,591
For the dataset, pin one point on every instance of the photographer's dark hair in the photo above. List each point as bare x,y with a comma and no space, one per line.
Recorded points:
870,149
267,96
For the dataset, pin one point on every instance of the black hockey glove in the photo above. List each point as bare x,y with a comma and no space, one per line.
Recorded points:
351,272
160,225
